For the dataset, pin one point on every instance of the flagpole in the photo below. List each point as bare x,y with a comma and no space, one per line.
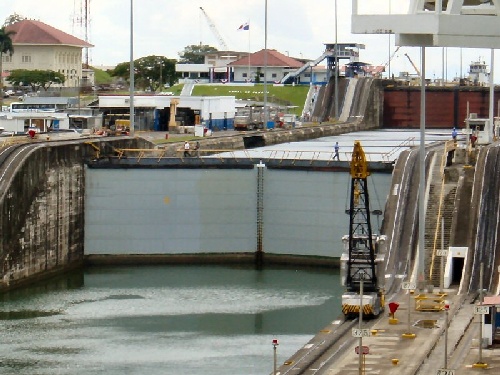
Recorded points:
248,78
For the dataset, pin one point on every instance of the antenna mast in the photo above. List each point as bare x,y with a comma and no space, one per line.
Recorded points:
81,19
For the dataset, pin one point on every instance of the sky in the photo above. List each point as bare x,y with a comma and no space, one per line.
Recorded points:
298,28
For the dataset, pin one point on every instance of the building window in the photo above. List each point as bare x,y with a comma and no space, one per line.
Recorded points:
307,75
26,59
7,58
244,75
273,75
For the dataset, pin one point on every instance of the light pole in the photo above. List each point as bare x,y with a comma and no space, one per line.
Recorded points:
441,281
480,363
265,67
360,347
75,79
421,192
132,109
336,101
161,78
389,63
78,93
275,345
446,308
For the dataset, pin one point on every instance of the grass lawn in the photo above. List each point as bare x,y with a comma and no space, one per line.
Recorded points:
282,95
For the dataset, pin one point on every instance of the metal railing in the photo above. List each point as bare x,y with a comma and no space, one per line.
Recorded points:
407,143
13,139
223,154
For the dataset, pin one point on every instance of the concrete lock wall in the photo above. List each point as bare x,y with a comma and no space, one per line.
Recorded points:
42,214
42,206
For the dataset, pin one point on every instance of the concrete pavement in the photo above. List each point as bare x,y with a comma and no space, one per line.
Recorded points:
392,352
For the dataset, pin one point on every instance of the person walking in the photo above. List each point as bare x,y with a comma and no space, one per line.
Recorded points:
336,149
197,148
186,149
454,134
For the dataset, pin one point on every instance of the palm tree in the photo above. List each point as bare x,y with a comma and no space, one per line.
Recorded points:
5,47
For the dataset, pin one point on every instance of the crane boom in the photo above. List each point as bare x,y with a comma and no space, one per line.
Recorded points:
392,56
216,33
413,64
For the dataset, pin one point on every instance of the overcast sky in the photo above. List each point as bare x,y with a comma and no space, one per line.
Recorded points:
295,27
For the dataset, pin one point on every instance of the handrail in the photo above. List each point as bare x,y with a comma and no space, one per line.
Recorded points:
222,154
11,139
450,145
409,142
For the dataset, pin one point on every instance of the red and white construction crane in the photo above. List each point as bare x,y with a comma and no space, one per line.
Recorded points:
216,33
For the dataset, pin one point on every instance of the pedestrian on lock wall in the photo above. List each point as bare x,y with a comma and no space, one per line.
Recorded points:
197,148
473,139
186,149
336,149
454,134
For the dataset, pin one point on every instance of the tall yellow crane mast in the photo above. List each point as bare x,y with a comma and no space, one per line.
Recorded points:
361,261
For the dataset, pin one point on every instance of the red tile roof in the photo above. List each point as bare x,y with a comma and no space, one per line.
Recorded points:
274,58
36,32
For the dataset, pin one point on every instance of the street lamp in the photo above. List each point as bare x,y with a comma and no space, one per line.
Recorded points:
132,109
336,100
446,308
275,345
265,65
361,291
161,78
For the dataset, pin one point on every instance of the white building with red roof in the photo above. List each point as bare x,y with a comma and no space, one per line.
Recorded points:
255,68
40,46
241,67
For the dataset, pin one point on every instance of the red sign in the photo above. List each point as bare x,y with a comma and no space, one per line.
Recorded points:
275,342
364,350
393,306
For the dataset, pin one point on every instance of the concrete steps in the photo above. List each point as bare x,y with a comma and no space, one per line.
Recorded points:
441,187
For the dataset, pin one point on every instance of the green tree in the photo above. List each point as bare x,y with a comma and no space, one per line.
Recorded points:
35,78
151,72
195,54
6,47
13,18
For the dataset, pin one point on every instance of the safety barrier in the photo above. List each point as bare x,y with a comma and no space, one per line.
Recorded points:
429,303
282,155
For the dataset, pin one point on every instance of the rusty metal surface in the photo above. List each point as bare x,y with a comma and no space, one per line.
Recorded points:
446,107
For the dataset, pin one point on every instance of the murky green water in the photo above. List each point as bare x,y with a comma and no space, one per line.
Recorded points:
164,320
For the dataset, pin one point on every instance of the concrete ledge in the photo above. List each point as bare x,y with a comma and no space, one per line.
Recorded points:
210,258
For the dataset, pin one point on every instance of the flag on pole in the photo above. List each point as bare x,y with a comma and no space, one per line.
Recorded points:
245,26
